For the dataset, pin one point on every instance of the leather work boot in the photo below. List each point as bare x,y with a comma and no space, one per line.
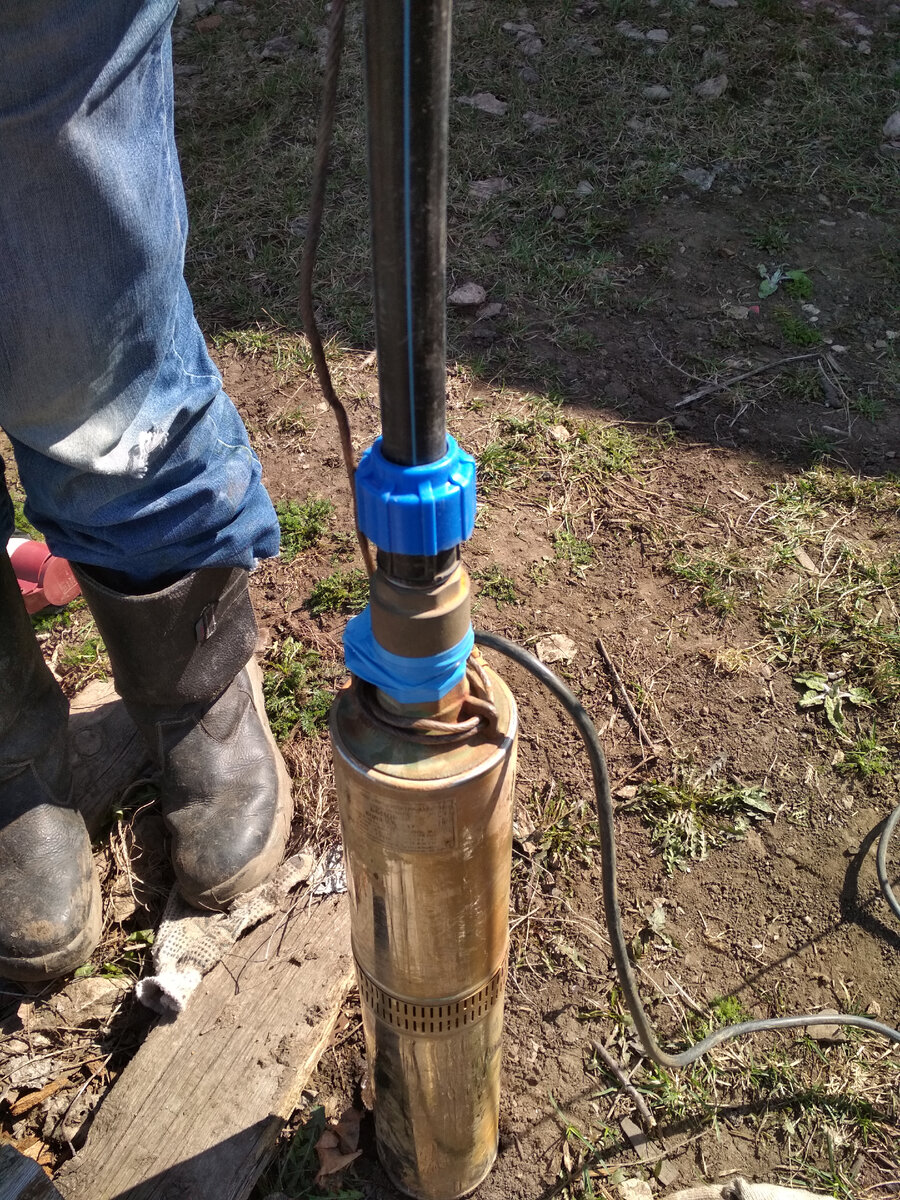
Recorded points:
50,910
182,659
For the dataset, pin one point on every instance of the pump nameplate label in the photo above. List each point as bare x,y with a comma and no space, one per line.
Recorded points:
409,826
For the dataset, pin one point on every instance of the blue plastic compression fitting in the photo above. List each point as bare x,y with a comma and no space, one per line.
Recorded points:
416,511
419,510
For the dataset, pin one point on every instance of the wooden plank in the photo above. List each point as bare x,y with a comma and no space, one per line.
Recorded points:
197,1111
106,751
22,1179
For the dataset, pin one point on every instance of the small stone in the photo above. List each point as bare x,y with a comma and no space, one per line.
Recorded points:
891,127
517,27
713,59
723,3
860,30
583,188
830,1035
531,46
864,47
467,295
529,75
659,36
536,123
737,312
712,89
630,31
890,149
558,212
656,93
559,433
490,310
634,1189
483,331
698,30
485,102
556,648
699,178
486,189
279,49
89,999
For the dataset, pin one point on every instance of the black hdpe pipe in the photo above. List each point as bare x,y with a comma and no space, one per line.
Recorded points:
407,54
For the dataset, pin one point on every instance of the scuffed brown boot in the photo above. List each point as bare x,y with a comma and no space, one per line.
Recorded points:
182,658
50,909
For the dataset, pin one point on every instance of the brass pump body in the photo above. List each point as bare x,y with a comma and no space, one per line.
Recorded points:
427,830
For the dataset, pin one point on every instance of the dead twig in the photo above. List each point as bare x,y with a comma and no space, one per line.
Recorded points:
628,1087
619,690
723,384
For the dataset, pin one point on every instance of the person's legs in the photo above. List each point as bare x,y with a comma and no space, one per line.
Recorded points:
131,455
134,461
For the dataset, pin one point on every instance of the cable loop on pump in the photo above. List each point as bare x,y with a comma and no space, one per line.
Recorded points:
428,730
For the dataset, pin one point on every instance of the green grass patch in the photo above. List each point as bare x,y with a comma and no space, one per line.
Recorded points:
303,524
294,1173
711,579
340,592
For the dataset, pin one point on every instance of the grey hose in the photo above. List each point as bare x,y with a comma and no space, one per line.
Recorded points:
605,818
881,861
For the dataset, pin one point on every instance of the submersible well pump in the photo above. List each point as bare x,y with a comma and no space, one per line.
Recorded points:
424,738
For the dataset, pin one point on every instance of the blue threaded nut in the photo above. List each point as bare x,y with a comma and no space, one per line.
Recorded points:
421,510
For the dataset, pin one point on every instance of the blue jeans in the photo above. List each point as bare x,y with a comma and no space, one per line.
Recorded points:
131,455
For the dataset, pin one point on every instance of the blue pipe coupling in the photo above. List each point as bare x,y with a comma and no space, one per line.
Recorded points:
421,510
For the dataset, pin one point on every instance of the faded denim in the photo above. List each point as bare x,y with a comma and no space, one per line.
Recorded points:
131,454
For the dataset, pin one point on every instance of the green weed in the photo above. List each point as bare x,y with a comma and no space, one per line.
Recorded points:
693,814
830,694
497,586
340,592
302,525
298,688
795,330
867,756
772,238
571,549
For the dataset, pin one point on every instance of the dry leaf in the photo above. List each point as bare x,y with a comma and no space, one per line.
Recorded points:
347,1130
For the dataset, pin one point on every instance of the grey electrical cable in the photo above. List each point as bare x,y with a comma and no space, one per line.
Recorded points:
605,817
881,860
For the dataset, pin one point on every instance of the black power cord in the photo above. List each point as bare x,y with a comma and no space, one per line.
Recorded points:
642,1024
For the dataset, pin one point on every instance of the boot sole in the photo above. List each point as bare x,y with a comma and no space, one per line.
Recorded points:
44,967
259,869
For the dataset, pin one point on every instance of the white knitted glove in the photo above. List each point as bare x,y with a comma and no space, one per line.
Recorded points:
190,942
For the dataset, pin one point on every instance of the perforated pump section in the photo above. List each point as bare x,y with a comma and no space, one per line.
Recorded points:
437,1018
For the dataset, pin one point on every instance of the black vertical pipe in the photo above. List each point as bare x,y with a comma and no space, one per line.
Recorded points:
407,49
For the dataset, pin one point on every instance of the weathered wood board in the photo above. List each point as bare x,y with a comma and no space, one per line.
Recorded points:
105,750
22,1179
197,1111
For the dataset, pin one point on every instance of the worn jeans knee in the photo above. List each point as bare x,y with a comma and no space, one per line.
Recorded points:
131,454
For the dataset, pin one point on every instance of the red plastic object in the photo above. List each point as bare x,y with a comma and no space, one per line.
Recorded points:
45,581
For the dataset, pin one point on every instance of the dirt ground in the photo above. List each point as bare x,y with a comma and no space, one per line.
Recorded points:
721,546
